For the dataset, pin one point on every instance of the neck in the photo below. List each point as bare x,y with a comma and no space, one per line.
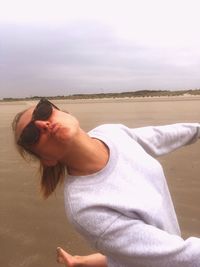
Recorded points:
86,155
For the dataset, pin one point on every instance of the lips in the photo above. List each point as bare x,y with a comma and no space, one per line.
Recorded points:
54,128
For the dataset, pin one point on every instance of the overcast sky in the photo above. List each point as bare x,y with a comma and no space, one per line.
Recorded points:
62,47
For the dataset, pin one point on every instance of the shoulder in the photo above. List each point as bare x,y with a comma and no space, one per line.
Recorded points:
114,131
107,128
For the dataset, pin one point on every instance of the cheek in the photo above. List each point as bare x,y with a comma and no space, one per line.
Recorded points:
48,147
43,148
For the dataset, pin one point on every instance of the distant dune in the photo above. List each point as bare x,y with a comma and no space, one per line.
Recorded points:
141,93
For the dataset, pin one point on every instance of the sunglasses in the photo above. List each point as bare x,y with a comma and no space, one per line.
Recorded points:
31,134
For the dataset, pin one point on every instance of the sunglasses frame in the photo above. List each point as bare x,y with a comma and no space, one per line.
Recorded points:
32,124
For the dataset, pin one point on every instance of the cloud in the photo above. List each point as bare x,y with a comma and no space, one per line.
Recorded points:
87,56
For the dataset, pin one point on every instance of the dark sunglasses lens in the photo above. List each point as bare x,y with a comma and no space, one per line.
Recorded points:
42,111
30,135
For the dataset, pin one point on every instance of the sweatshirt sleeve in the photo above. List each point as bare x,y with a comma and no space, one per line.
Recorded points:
160,140
129,242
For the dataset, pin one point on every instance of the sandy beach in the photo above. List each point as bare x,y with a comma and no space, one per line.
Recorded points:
31,228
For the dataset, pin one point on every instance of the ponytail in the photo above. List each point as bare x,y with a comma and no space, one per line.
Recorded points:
51,176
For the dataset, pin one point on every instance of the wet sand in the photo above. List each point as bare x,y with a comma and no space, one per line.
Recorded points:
31,229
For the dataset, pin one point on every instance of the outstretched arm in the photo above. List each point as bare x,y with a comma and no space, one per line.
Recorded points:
92,260
160,140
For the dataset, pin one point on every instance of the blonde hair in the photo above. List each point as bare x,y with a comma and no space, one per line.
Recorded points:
51,176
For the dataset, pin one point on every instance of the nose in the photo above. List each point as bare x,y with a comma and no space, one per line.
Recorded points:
43,126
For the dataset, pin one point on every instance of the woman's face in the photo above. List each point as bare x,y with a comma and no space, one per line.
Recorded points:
56,135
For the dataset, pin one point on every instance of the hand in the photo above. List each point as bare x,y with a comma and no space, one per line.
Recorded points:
65,258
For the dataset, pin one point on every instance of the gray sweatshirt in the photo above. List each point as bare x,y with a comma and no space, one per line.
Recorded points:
125,210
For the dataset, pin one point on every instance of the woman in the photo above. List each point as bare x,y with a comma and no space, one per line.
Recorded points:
115,191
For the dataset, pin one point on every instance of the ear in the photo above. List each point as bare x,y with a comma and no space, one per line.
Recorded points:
49,162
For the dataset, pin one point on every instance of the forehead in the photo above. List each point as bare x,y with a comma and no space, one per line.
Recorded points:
24,119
